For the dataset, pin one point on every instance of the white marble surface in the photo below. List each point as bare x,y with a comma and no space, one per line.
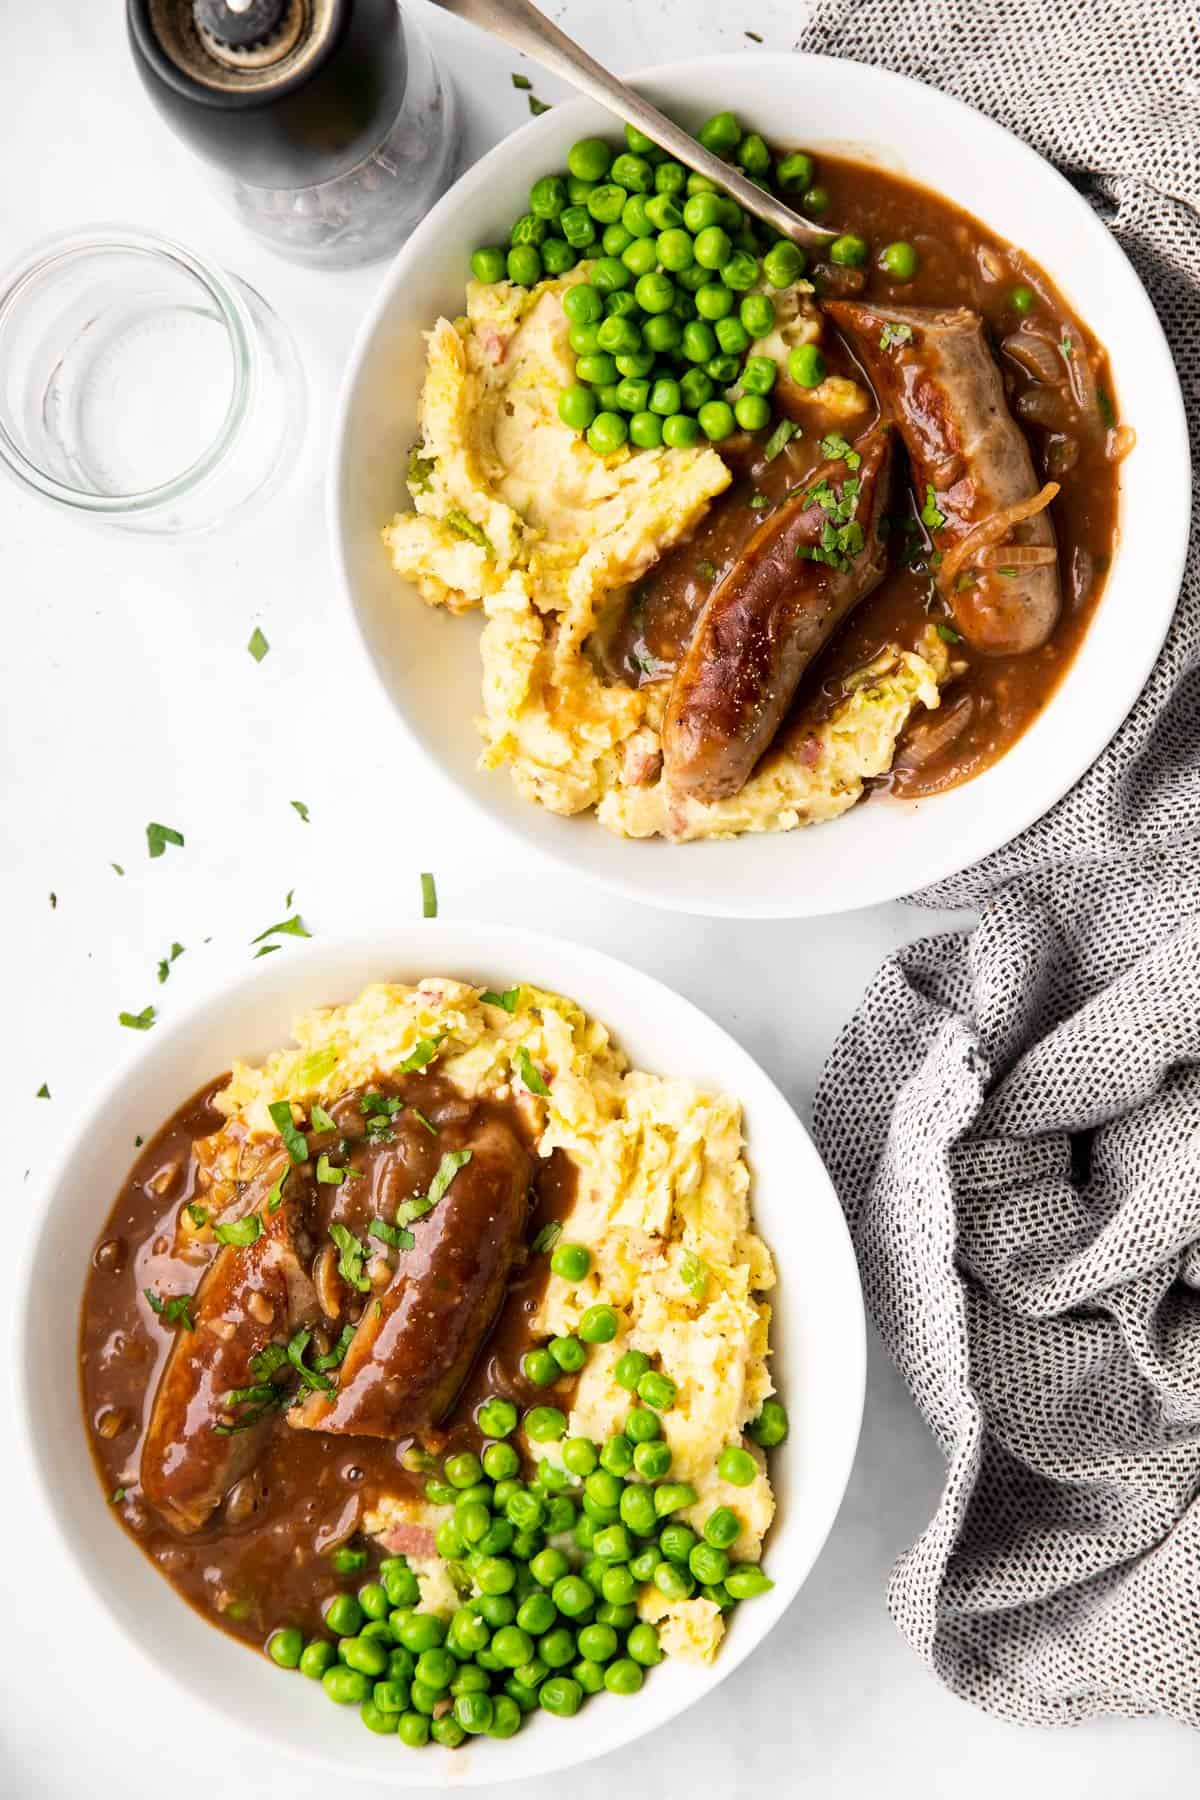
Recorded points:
130,696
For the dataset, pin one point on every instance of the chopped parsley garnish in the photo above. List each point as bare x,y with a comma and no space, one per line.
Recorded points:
836,448
391,1234
1066,346
293,1138
138,1141
423,1055
931,518
258,645
275,1197
315,1067
240,1232
351,1259
1108,418
43,1092
537,107
53,901
176,1311
428,897
330,1175
164,967
894,334
947,633
429,1125
420,468
534,1081
196,1213
758,502
300,807
309,1378
138,1021
522,81
693,1271
333,1359
293,927
509,999
547,1237
321,1120
157,839
265,1362
706,570
779,439
448,1168
465,527
842,536
261,1390
117,1495
375,1105
118,870
267,950
416,1208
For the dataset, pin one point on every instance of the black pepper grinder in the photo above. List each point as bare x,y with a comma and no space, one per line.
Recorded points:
329,121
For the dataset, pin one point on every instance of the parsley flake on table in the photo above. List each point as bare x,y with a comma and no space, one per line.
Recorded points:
173,954
53,901
521,81
43,1092
117,869
138,1021
157,839
538,107
754,36
258,645
293,927
299,806
428,897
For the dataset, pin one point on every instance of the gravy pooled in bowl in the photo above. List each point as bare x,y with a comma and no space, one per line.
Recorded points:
443,1310
754,539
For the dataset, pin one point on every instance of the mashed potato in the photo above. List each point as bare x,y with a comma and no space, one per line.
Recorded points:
515,513
661,1201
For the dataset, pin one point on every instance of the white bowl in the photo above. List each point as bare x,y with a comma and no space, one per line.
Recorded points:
818,1336
429,664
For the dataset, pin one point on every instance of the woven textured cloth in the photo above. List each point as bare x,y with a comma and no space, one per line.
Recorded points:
1012,1117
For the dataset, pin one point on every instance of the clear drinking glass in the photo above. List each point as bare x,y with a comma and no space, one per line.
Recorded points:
142,386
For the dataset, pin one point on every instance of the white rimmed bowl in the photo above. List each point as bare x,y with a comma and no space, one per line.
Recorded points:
817,1337
428,663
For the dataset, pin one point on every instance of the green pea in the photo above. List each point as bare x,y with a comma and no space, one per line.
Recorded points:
423,1631
573,1596
720,134
449,1540
673,1582
723,369
373,1599
757,314
485,1660
560,1508
603,1487
557,1648
732,336
661,333
532,1673
523,1697
528,230
585,1532
348,1559
673,249
698,345
670,178
560,1695
815,201
617,1455
584,339
316,1657
783,263
745,1580
638,141
623,1677
612,1544
571,1261
476,1523
615,239
1022,299
752,412
696,387
589,1675
643,1427
548,1566
635,218
538,1366
609,274
488,264
467,1633
644,1564
607,432
285,1647
794,172
547,197
536,1614
741,271
579,1455
771,1426
367,1655
631,398
399,1581
806,366
898,260
714,301
597,1643
701,211
379,1629
619,1617
655,292
637,1509
759,374
474,1712
599,1324
589,159
346,1686
512,1646
343,1615
377,1720
599,1513
633,173
501,1461
496,1609
495,1575
524,265
605,203
680,431
732,218
849,251
504,1490
636,364
413,1730
479,1493
640,257
446,1731
558,256
708,1564
578,190
391,1696
736,1466
753,155
713,247
655,1388
506,1717
663,213
471,1679
631,1365
583,306
674,1496
665,399
597,369
685,308
643,1646
436,1668
577,227
401,1664
619,334
677,1542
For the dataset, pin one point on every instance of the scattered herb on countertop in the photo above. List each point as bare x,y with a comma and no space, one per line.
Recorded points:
53,901
116,868
258,645
300,807
293,927
164,967
157,839
138,1021
538,107
428,897
754,36
521,81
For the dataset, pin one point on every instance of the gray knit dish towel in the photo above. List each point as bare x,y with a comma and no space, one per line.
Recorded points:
1012,1117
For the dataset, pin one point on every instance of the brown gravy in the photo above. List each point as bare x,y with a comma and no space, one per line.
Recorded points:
262,1560
988,706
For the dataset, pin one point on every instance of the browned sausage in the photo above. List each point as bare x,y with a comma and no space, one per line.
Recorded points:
249,1297
934,375
414,1347
764,623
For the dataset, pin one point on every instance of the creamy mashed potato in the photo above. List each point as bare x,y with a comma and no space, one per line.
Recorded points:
661,1202
516,514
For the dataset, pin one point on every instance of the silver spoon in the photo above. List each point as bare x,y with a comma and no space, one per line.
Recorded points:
531,32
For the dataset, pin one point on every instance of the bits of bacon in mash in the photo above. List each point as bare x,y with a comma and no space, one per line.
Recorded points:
661,1202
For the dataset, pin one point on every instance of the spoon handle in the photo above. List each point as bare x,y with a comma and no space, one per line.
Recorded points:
528,30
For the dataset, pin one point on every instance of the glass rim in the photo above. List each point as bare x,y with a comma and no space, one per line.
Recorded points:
15,283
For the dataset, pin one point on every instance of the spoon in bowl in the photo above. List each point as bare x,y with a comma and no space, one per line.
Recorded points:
529,31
